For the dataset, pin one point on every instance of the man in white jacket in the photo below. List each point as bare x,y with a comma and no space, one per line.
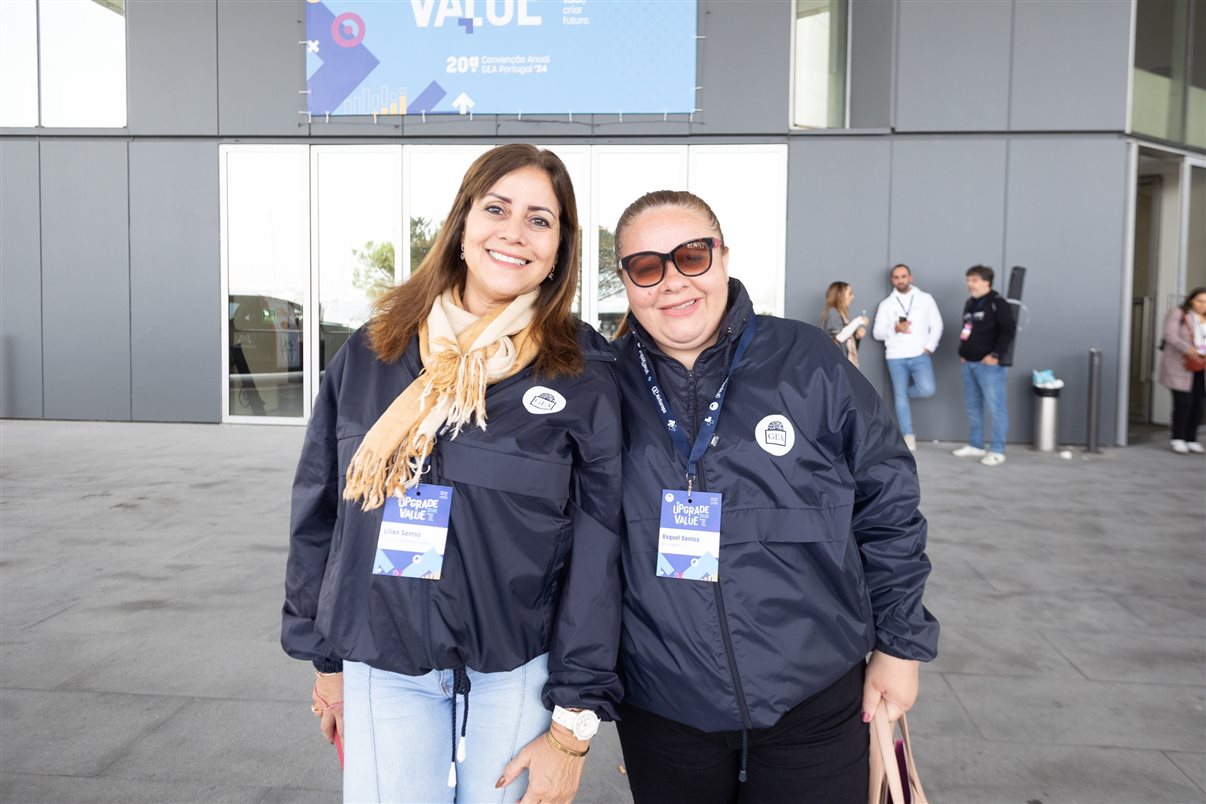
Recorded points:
910,326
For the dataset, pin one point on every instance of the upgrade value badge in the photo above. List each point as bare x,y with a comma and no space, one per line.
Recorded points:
688,542
414,530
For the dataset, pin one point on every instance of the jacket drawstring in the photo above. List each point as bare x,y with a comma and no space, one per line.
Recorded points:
745,752
460,686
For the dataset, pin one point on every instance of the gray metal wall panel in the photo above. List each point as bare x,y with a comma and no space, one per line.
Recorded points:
1071,65
173,70
745,67
20,282
1066,223
948,213
85,279
953,65
837,202
175,340
260,67
872,51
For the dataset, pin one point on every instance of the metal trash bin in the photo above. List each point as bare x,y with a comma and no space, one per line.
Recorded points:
1046,418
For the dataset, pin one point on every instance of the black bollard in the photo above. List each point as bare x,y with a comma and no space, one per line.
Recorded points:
1094,398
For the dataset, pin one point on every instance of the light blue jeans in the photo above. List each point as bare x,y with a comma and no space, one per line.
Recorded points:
398,733
911,377
982,384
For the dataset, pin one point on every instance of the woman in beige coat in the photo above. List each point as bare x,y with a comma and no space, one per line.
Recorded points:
1185,339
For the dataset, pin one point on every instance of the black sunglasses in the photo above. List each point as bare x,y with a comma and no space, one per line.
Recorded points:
647,268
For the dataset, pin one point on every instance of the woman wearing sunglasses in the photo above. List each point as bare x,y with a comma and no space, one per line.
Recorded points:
433,561
773,536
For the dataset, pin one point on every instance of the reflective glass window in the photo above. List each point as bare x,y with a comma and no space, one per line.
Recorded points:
1195,115
746,186
266,250
357,216
819,59
621,175
83,62
433,176
19,63
1195,256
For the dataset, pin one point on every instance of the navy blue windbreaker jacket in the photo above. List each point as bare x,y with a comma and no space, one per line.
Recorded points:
821,541
531,563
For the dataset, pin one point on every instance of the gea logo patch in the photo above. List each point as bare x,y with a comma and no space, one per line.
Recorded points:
775,434
541,400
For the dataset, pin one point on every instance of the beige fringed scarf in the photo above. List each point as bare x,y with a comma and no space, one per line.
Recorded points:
461,354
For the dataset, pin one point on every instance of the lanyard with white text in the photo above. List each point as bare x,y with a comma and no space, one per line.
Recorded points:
707,428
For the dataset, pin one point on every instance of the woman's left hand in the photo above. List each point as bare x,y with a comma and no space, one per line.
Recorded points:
893,680
553,776
860,332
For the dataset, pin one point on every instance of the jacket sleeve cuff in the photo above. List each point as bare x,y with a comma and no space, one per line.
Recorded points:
328,665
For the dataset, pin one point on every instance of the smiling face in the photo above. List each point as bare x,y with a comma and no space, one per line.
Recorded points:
681,313
510,239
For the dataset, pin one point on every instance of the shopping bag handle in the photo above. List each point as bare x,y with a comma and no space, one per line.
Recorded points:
883,757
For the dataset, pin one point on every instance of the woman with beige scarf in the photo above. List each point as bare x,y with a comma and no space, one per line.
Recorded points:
455,518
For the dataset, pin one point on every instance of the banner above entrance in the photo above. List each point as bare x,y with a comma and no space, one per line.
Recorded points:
500,57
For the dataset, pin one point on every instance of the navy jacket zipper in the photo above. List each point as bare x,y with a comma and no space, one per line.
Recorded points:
725,636
434,477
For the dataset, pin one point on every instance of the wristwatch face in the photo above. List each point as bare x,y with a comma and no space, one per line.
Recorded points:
586,724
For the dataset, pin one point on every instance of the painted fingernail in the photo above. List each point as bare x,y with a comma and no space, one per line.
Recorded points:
498,784
866,717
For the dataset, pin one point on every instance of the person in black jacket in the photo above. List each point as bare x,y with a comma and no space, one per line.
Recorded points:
433,560
773,537
988,330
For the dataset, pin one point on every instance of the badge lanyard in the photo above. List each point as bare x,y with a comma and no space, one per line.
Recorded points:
707,429
902,307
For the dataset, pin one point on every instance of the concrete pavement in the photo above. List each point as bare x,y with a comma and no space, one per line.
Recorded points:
141,569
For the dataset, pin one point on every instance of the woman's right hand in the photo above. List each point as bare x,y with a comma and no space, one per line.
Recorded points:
327,703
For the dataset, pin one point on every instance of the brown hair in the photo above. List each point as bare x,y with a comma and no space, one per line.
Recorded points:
398,314
656,200
982,271
664,198
1193,294
835,297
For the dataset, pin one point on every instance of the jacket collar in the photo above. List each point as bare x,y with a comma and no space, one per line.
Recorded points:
738,312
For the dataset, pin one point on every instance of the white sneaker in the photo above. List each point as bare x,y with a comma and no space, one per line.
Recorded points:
911,443
1194,446
1179,446
969,451
993,459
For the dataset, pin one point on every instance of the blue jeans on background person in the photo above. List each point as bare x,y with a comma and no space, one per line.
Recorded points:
398,733
983,383
911,377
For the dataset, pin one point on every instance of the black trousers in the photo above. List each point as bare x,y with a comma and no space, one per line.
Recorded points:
1187,409
817,752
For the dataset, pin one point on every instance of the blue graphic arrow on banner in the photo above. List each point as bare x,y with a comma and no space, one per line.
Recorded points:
345,63
427,99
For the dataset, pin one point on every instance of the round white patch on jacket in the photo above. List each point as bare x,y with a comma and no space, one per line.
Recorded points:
775,434
541,400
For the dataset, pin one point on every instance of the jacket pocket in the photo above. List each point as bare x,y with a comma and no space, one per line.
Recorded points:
796,525
506,472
